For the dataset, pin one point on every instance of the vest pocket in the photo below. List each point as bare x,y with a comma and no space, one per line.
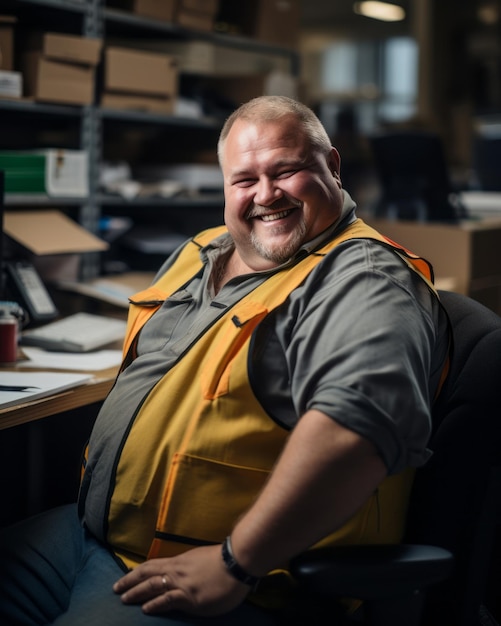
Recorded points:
203,501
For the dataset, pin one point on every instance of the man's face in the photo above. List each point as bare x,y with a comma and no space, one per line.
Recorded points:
279,194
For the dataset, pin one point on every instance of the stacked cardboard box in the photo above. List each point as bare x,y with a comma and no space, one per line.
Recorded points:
154,9
276,22
236,90
11,82
271,21
465,256
61,68
139,80
197,14
206,57
52,241
7,42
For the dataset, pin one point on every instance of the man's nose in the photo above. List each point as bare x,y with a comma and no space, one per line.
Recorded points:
267,192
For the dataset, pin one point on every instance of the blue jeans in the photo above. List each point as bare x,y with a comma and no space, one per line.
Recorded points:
53,572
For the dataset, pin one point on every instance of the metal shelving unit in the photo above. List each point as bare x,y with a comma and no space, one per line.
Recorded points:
87,127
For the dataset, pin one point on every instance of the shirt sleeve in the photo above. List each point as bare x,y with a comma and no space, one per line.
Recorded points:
361,342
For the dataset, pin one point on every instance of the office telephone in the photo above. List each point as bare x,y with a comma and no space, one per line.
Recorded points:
25,286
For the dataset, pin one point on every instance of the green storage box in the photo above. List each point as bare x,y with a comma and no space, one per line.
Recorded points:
54,172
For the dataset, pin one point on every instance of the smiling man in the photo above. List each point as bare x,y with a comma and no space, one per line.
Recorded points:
279,193
275,393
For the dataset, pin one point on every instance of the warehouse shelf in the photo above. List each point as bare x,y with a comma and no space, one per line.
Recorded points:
27,124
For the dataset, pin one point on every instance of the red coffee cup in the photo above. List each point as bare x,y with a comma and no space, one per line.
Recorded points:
8,337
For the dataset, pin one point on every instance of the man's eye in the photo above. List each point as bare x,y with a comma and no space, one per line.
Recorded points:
244,182
286,173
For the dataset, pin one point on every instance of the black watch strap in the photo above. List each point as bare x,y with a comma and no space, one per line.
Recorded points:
233,567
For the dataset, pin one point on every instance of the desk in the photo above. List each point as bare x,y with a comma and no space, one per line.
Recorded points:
94,391
41,443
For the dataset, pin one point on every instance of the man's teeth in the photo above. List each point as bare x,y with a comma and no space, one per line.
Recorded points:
275,216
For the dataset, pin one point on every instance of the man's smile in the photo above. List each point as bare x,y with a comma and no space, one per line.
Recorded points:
271,217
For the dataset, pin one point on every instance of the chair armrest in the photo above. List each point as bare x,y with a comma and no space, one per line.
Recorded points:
371,572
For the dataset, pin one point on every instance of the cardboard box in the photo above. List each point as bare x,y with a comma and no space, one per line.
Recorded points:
272,21
156,9
57,173
197,14
195,20
131,102
7,42
61,68
210,7
277,22
239,91
465,256
52,240
140,72
198,57
205,57
69,48
55,81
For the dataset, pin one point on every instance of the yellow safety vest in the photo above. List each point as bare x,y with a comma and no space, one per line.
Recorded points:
207,447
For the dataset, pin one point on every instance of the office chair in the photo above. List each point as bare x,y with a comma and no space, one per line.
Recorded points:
414,177
486,155
439,575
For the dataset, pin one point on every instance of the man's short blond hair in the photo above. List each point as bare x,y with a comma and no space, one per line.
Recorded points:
270,108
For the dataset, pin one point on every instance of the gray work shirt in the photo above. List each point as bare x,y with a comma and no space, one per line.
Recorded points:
362,340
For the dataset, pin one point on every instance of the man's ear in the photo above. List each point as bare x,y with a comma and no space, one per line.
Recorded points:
334,163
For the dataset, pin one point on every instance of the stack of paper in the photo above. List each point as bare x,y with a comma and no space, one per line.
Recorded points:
20,387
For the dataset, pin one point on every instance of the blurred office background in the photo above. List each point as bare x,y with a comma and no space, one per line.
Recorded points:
123,101
437,69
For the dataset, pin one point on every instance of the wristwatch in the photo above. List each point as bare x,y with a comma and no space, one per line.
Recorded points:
233,567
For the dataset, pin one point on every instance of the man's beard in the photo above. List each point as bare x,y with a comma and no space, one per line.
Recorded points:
283,254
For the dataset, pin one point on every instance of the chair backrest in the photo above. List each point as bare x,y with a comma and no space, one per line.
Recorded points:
414,177
486,155
452,503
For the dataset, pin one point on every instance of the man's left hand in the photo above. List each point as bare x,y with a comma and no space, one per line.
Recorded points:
195,582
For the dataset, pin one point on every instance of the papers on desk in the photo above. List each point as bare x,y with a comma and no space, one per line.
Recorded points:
89,362
100,289
114,290
34,385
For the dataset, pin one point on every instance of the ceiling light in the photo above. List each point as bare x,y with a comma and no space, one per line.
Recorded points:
488,13
380,11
